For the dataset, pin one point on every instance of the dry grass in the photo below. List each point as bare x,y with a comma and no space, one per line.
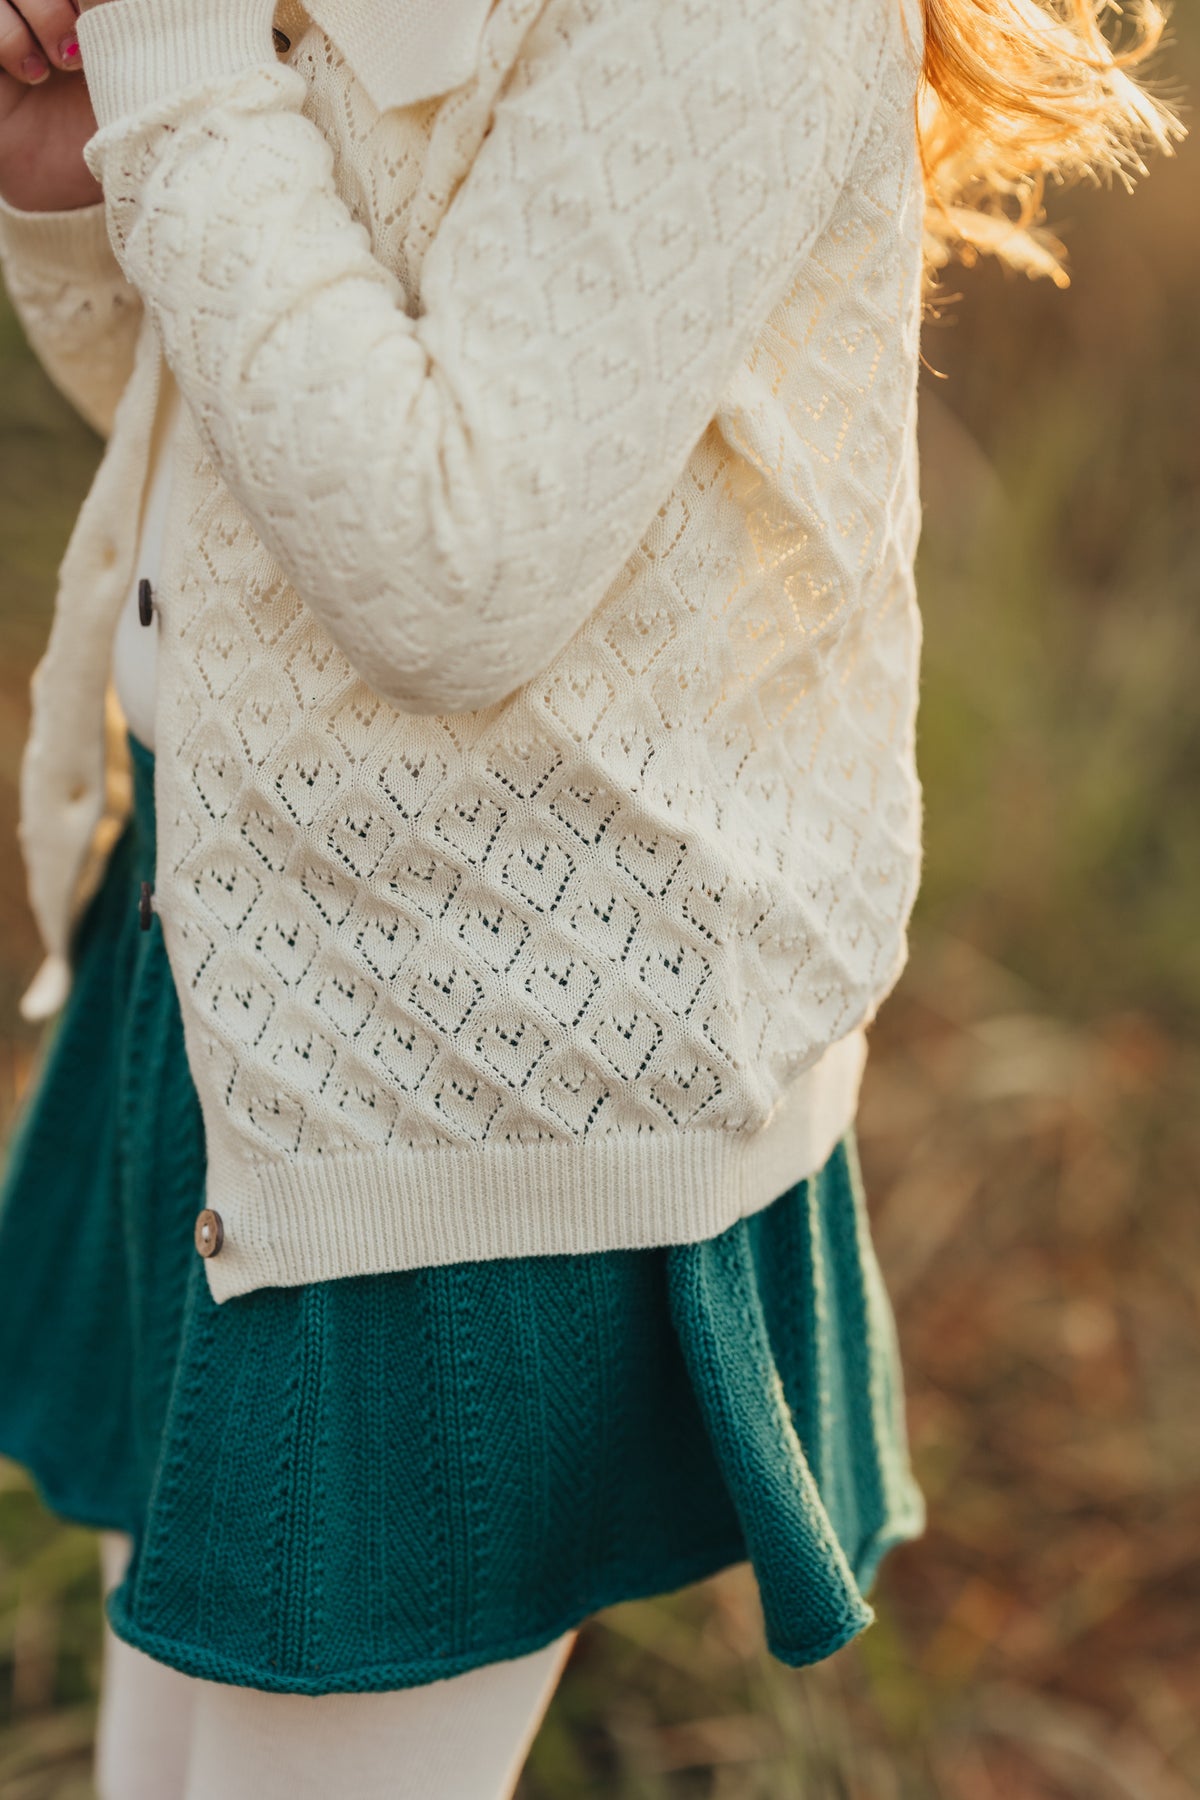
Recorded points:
1030,1132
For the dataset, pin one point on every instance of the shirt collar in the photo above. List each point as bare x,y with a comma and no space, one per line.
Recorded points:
404,50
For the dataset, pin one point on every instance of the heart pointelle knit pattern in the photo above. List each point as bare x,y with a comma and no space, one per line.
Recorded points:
539,822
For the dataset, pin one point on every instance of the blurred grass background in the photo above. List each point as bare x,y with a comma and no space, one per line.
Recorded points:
1030,1129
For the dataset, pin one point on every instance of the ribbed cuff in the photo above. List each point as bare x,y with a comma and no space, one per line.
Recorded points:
136,52
73,243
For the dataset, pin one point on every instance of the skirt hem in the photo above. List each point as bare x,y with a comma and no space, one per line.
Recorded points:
387,1677
70,1512
903,1527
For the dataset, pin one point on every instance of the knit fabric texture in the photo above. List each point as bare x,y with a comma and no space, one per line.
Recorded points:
539,651
401,50
378,1481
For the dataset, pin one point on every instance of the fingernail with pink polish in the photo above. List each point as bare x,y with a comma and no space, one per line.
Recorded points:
34,69
68,50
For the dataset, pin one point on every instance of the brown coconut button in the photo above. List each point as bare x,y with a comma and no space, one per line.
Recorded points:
210,1233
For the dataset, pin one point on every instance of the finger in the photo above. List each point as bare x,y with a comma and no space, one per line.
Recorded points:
20,52
54,25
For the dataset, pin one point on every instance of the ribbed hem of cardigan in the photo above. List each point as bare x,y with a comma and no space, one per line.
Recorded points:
143,50
317,1218
72,243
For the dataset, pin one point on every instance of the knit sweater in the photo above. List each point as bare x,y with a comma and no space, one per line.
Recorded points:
538,649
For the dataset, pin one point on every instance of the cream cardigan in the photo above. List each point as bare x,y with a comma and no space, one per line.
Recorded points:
539,823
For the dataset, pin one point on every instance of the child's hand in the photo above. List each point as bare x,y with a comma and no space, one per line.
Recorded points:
45,114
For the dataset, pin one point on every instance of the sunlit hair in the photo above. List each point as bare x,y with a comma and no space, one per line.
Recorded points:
1020,92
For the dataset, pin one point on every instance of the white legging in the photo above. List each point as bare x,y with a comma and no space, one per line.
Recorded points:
166,1736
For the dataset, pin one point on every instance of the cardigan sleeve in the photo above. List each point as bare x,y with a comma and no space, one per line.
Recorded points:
453,493
78,311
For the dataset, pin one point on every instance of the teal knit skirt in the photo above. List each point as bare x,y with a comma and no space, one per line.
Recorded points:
379,1481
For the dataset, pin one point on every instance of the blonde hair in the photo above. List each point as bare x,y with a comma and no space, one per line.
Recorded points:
1019,92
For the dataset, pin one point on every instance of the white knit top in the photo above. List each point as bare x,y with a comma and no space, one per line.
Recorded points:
538,819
